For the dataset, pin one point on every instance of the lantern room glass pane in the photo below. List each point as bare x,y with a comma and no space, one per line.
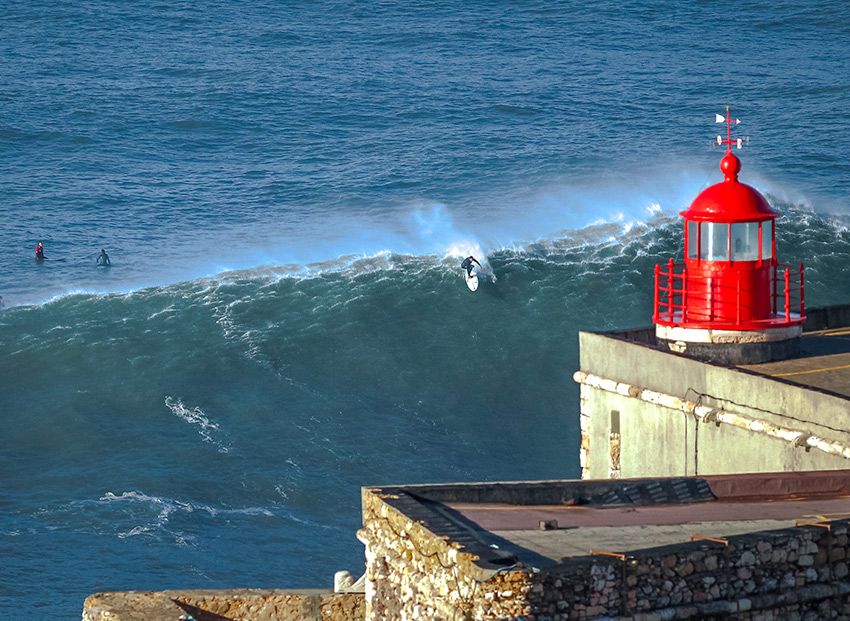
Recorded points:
767,239
692,240
714,241
745,241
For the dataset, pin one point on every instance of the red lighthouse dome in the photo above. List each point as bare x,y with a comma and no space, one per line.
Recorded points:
729,199
730,300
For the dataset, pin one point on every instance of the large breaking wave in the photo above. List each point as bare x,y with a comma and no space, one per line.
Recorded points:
247,409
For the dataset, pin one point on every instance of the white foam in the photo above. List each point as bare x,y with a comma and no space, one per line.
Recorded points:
196,416
165,509
168,506
135,531
168,309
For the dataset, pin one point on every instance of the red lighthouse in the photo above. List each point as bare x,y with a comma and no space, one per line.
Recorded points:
731,300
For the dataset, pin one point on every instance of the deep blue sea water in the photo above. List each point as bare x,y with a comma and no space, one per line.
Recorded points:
286,190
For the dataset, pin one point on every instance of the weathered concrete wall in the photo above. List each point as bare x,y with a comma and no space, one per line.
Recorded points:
793,573
653,440
624,436
827,317
753,394
236,605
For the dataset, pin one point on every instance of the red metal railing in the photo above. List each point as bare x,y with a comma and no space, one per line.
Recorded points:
671,306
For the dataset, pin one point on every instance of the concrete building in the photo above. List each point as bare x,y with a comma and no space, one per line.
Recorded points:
647,411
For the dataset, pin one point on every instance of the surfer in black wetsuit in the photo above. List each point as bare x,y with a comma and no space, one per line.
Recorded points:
39,252
467,265
103,259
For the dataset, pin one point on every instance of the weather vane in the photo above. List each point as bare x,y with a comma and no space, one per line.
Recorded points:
739,142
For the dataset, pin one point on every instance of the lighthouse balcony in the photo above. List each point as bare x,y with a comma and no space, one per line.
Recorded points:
700,300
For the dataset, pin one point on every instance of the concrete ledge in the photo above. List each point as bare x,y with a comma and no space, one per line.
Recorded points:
827,317
732,346
736,353
225,605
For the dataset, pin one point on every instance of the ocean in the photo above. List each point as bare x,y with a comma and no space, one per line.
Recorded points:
286,191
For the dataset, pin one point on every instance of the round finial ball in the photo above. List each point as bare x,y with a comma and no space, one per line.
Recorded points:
730,166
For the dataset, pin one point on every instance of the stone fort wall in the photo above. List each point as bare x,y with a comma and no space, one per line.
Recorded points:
792,573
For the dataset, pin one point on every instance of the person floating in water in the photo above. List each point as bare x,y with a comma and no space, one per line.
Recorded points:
103,259
467,265
39,252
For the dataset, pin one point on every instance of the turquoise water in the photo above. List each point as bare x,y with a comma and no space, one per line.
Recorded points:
286,192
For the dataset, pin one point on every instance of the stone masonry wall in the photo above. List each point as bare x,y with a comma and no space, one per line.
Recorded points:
413,574
794,573
774,574
235,605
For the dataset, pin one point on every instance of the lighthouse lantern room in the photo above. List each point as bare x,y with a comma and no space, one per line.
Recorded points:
730,300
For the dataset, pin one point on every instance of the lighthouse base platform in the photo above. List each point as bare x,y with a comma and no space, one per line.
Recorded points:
732,346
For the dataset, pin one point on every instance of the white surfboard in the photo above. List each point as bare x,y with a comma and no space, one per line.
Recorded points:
471,281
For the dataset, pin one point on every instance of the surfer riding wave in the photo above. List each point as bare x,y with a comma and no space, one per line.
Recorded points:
467,265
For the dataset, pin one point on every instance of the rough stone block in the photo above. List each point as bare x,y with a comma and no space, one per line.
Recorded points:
686,569
806,560
747,558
